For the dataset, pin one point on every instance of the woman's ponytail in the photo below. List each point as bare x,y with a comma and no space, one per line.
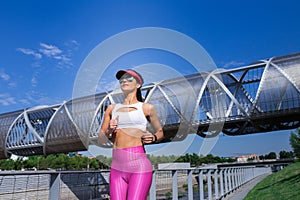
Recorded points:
139,95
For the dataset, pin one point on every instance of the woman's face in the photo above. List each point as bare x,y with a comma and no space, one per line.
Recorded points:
128,83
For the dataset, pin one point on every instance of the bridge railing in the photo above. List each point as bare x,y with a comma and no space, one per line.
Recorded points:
186,183
202,183
54,185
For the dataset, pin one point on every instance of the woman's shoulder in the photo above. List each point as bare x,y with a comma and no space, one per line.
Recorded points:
110,107
147,107
146,104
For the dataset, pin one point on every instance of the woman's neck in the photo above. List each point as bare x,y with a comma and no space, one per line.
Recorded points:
130,99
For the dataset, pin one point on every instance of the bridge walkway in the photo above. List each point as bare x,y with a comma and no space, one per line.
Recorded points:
242,192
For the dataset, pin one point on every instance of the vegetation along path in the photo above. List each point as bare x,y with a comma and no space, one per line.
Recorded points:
282,185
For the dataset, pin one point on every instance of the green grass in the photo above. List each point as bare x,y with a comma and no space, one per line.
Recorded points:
282,185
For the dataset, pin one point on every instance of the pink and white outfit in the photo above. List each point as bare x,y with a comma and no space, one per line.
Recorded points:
131,170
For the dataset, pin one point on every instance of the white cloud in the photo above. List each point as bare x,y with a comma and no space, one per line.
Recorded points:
62,57
53,52
30,52
34,81
37,98
24,101
6,99
49,50
4,76
233,64
12,84
73,44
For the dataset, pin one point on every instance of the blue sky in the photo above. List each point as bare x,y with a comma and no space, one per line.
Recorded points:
43,44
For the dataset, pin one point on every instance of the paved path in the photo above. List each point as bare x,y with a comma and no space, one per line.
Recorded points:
242,192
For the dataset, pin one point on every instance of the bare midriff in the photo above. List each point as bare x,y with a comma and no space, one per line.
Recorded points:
127,137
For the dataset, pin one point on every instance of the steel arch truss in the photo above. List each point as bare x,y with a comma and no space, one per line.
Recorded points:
264,96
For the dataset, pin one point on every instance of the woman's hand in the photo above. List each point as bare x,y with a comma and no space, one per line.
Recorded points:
113,124
148,138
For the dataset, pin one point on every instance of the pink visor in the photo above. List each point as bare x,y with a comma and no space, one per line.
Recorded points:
133,73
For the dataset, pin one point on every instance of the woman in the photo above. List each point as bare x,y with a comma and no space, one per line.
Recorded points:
131,170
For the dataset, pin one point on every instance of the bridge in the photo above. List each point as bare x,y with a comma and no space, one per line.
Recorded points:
263,96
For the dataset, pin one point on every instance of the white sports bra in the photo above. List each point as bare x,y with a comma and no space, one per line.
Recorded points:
131,119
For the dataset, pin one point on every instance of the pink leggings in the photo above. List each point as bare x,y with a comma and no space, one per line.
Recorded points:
130,174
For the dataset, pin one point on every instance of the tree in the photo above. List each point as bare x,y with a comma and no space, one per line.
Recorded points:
285,154
295,142
18,164
7,164
31,162
94,164
272,155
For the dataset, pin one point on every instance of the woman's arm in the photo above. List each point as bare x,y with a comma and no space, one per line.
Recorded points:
107,127
152,116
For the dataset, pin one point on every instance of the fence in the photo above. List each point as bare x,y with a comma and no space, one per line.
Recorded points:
54,185
169,184
210,183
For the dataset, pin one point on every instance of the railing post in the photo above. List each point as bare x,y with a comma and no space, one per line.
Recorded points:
153,187
233,179
229,180
216,184
236,174
221,182
54,191
239,177
226,181
190,184
201,188
174,185
243,175
248,174
209,185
